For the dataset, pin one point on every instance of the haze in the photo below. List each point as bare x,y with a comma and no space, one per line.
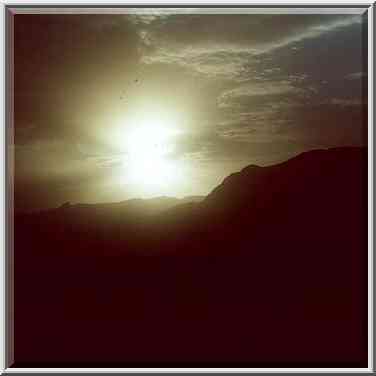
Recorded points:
112,107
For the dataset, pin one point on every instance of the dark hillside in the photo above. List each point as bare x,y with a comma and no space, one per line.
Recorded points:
270,269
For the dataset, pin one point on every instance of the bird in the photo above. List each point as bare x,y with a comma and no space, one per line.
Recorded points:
123,92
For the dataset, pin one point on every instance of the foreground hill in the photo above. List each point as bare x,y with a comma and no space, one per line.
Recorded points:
270,269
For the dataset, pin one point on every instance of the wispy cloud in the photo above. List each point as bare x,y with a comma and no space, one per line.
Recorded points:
257,89
344,102
355,76
222,45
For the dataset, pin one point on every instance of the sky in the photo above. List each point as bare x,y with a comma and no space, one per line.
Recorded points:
109,107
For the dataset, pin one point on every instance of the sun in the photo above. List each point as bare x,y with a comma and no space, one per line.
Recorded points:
148,155
148,161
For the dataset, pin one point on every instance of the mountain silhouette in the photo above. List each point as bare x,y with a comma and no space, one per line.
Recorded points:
269,269
133,208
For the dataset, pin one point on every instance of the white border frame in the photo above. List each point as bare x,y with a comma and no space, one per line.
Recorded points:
217,4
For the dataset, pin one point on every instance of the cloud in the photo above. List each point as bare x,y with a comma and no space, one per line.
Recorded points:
257,90
256,111
345,102
246,32
224,64
237,144
248,88
338,122
223,45
355,76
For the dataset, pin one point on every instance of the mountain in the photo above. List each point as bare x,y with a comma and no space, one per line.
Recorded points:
324,190
137,206
316,186
270,269
155,203
313,167
100,216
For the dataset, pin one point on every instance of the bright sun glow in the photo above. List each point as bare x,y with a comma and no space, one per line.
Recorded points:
148,163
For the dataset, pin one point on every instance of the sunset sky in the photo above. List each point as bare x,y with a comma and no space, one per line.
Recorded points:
118,106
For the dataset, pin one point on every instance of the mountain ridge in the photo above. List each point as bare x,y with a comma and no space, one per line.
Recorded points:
246,172
271,259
